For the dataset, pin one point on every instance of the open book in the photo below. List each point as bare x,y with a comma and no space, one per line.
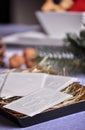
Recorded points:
39,91
22,84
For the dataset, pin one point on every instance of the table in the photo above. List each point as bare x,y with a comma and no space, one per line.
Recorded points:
72,122
6,29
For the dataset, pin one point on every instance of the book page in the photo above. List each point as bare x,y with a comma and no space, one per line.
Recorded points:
58,82
2,77
2,81
21,84
37,102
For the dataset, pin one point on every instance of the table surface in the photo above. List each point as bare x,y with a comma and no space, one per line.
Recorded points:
72,122
6,29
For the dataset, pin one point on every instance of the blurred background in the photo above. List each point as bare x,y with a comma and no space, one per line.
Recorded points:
19,11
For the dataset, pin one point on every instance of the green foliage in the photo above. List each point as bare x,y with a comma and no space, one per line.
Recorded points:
77,44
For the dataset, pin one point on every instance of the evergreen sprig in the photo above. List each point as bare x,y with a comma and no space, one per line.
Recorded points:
77,44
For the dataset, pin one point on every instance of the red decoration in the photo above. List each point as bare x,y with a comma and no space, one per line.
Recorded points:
79,5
